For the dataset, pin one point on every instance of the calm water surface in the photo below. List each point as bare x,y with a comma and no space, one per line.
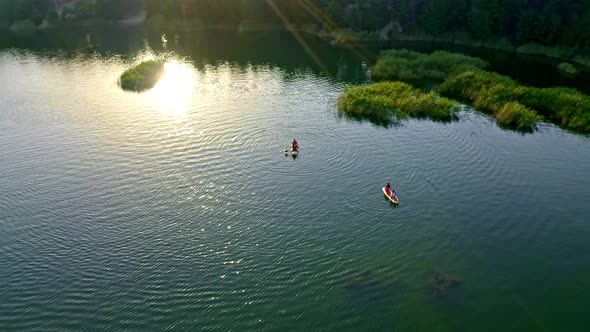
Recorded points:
177,209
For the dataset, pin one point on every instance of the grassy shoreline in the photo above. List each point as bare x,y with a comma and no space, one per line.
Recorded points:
465,78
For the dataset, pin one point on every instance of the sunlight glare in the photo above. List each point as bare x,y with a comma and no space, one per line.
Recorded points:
172,93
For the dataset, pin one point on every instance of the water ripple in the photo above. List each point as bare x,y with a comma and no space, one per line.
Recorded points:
181,211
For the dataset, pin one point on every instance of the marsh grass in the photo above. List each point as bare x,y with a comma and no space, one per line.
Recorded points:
567,107
465,78
143,76
422,69
519,106
387,102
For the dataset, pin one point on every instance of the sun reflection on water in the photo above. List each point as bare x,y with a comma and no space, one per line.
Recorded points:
172,94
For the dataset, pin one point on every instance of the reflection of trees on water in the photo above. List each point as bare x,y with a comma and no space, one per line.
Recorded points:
98,40
205,49
255,49
262,49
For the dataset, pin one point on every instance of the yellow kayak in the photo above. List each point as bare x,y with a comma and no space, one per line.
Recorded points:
393,198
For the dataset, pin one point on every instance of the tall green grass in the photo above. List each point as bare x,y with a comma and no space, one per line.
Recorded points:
143,76
385,102
491,92
422,69
465,78
565,106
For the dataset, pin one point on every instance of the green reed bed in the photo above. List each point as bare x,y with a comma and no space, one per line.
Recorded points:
422,69
143,76
564,106
465,78
492,93
519,106
387,101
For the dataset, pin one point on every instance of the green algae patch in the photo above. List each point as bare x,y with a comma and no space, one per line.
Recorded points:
142,77
385,102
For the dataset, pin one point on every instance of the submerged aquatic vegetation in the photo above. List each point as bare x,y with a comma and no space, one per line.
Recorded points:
361,281
386,101
441,282
143,76
420,68
367,288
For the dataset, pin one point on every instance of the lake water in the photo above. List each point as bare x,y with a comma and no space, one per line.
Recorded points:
177,208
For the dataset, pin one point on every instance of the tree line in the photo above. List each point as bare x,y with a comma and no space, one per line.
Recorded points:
38,10
548,22
565,22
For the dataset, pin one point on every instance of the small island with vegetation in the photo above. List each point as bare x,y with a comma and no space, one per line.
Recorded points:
465,79
387,101
143,76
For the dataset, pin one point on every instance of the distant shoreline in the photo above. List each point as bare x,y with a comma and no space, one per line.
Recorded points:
335,37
